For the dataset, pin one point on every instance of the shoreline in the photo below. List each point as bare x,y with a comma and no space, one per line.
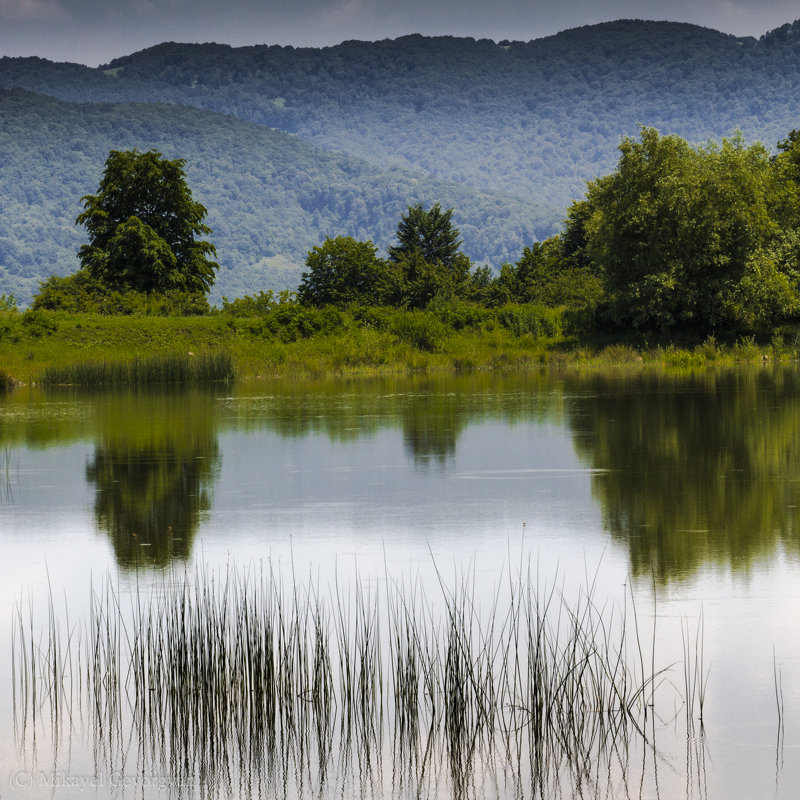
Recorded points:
36,346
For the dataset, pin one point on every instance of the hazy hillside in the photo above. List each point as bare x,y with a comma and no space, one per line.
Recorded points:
270,196
535,119
526,120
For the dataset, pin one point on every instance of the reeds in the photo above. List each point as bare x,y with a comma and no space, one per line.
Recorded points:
167,368
243,674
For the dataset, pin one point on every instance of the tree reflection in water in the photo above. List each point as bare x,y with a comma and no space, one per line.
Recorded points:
153,467
693,469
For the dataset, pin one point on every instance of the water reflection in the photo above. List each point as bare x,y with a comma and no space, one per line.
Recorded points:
432,422
694,469
687,470
154,466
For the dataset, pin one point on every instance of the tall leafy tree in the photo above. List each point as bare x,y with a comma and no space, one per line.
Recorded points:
429,234
429,255
342,271
143,226
685,236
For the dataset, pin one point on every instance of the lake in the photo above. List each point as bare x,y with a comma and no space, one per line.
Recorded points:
398,533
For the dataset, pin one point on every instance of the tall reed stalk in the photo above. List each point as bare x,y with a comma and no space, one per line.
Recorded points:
241,673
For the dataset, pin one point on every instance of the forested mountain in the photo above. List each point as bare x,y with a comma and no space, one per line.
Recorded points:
531,120
270,196
535,118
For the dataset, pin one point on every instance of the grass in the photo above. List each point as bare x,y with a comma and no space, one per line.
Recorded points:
158,369
219,672
306,344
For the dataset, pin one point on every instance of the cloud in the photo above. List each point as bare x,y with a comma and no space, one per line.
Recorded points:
31,10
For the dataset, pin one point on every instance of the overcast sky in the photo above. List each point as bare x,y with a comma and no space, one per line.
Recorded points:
94,31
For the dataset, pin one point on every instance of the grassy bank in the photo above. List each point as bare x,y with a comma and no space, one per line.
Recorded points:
58,347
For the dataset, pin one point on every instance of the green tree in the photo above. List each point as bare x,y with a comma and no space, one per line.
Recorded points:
142,226
546,275
429,234
342,271
429,256
680,234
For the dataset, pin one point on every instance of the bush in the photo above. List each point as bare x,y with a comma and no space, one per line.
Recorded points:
80,293
247,306
379,318
458,314
290,321
38,324
421,329
530,319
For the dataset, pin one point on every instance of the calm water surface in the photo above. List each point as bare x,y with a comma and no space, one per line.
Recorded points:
677,493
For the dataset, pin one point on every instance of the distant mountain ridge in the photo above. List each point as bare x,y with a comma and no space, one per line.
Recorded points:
526,120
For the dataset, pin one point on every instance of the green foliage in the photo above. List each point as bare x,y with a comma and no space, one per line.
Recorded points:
81,293
550,275
459,314
38,324
428,256
249,306
8,302
429,234
143,224
686,238
374,317
170,368
537,321
290,322
340,272
420,329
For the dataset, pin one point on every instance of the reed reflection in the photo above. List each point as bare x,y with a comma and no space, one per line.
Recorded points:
154,467
694,470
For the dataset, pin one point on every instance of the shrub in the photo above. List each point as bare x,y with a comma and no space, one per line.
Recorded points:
290,321
249,306
534,320
379,318
38,323
421,329
80,293
458,314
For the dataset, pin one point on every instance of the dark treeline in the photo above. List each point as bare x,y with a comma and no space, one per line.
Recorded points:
678,239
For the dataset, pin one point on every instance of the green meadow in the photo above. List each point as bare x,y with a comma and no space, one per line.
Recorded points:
291,340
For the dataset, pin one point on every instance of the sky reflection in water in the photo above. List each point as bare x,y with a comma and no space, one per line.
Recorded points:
688,484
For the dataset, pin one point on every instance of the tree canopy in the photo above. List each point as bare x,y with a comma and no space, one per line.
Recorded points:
143,224
428,255
342,271
691,237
